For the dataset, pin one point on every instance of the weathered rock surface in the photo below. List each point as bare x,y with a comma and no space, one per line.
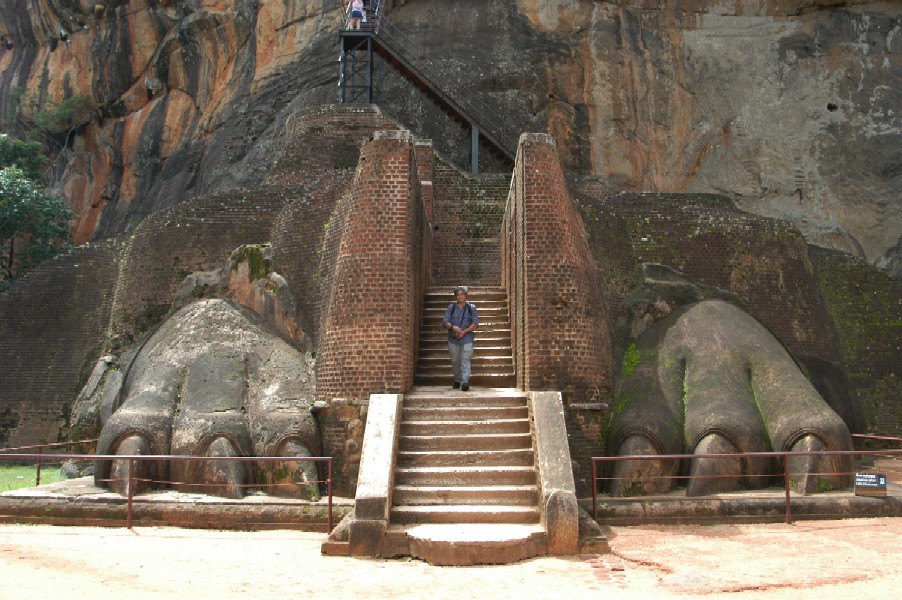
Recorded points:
212,381
708,379
790,107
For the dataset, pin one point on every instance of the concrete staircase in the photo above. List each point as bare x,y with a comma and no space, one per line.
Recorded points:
465,481
492,364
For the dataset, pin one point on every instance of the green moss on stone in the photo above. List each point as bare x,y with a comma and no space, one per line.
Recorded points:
255,257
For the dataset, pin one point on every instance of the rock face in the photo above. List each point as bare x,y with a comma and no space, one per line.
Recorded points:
790,107
708,379
213,382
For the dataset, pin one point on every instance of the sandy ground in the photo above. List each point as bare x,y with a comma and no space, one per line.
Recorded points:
814,559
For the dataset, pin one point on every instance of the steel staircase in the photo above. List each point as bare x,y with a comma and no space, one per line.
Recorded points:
357,83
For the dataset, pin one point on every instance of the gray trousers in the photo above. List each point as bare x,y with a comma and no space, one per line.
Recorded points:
460,361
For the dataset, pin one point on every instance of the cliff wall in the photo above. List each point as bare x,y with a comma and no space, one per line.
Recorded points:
790,107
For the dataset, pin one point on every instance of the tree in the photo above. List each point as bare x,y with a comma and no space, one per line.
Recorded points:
25,155
39,222
49,121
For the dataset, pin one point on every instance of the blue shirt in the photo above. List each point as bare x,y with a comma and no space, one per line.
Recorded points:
463,318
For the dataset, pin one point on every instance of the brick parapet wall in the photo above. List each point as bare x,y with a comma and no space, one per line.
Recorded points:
560,329
370,326
52,331
866,308
467,217
298,239
196,235
326,138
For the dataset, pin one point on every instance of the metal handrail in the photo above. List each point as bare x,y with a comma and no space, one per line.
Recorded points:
474,106
742,455
40,450
132,458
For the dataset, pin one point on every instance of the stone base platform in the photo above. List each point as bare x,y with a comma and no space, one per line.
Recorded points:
457,544
80,502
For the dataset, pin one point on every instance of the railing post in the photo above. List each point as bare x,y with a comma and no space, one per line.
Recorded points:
37,479
131,490
329,488
474,149
594,491
786,487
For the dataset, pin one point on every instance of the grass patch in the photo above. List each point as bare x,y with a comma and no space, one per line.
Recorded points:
17,477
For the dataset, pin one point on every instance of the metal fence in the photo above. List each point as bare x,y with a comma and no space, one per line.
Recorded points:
39,457
600,479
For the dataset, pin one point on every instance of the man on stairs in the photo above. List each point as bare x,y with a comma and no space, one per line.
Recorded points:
461,321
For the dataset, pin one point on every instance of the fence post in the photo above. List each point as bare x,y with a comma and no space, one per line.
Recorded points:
37,479
594,492
329,488
131,490
786,487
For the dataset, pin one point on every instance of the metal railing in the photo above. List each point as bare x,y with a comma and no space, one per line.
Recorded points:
132,480
470,103
786,473
39,450
485,117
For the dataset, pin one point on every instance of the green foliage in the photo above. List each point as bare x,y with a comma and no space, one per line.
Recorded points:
257,264
630,361
37,221
51,122
25,155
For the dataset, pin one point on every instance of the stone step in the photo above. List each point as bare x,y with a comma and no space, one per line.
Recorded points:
462,544
465,513
466,476
441,351
437,398
466,413
522,495
441,365
431,330
483,309
477,379
466,458
474,427
440,294
438,342
508,441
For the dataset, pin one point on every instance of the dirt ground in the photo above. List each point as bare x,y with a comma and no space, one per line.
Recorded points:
810,559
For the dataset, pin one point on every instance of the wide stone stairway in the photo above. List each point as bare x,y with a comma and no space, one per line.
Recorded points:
465,482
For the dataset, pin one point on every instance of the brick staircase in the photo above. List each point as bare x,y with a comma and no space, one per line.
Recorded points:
466,489
492,357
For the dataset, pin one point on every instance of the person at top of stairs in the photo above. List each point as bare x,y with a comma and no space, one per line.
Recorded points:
461,320
356,14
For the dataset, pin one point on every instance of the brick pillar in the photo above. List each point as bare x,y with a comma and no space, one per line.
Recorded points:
561,336
371,315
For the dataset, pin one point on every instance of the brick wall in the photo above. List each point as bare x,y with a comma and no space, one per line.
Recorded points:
467,216
866,307
372,313
562,340
196,235
51,332
326,138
